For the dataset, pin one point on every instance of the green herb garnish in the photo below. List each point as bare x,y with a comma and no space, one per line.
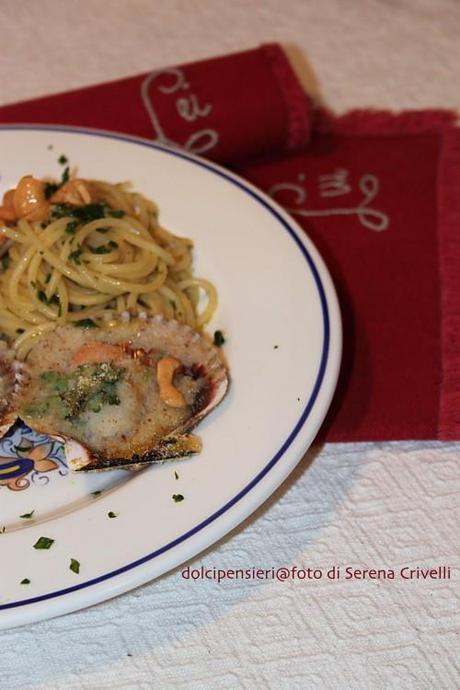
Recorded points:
48,278
74,566
60,211
19,331
62,160
5,261
43,543
111,514
105,248
71,227
176,475
96,493
86,389
25,581
86,323
177,498
219,338
55,380
53,300
75,256
27,516
49,189
85,213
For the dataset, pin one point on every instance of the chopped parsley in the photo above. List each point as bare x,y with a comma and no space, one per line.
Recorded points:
88,212
219,338
53,300
5,261
85,213
176,476
96,493
19,331
62,160
111,514
71,227
43,543
103,230
75,255
275,347
177,498
86,323
86,389
74,566
105,248
60,211
48,278
49,189
65,175
25,581
27,516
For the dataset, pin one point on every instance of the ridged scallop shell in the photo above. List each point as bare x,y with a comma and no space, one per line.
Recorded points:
144,334
11,380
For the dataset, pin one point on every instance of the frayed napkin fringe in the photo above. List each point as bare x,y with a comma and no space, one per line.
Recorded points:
365,122
449,258
443,122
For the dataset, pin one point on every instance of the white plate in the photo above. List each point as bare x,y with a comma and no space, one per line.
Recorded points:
280,316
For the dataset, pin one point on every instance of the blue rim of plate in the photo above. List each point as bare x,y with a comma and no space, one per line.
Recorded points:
237,182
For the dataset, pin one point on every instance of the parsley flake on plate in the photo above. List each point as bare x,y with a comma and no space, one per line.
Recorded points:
74,566
177,498
43,543
27,516
219,338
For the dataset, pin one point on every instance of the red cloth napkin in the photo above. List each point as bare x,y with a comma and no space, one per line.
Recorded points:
228,108
378,194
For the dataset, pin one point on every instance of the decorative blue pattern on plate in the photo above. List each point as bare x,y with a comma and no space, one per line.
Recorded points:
27,457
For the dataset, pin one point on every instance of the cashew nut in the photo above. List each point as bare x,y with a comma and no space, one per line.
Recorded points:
165,372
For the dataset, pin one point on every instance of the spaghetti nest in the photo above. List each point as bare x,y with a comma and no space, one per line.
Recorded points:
83,251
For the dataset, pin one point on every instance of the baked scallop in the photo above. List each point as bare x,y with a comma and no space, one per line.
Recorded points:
122,396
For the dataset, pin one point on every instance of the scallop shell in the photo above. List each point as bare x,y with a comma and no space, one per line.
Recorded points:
11,380
166,433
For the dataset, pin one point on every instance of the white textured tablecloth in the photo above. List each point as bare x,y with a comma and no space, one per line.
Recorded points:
362,505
